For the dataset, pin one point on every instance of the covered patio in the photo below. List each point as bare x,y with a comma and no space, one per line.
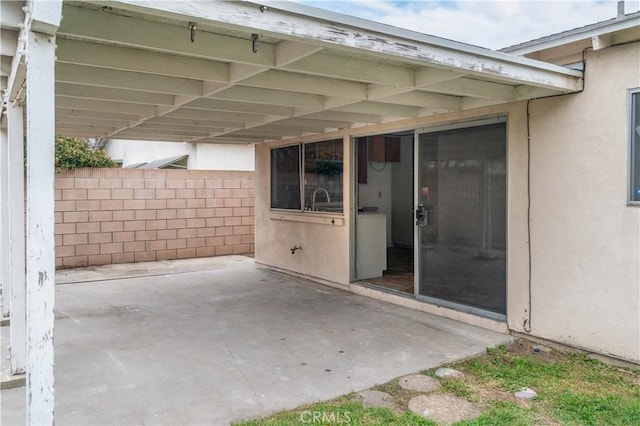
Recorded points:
210,341
203,72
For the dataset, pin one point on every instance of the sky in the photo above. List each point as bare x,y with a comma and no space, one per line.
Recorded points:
488,23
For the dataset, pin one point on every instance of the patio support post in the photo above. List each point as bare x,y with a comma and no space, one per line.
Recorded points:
17,331
40,227
4,218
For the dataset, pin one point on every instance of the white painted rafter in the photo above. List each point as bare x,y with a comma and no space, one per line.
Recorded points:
102,77
305,66
289,20
109,27
111,94
103,114
292,82
127,59
288,52
105,106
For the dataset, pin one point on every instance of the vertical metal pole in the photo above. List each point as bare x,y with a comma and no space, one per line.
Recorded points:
16,244
40,227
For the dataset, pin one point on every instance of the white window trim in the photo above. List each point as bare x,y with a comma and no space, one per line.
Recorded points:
280,213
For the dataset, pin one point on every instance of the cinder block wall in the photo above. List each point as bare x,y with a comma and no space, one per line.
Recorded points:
106,216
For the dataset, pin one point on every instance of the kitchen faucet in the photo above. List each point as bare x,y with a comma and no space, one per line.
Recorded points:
313,197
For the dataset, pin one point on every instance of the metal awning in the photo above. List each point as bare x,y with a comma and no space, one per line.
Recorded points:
245,72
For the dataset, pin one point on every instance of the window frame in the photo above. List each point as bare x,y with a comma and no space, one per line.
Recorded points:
301,177
634,147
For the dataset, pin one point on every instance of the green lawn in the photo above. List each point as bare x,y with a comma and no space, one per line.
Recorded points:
572,390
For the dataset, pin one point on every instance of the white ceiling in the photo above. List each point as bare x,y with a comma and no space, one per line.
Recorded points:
129,70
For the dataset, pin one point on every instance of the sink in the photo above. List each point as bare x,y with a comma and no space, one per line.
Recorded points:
329,207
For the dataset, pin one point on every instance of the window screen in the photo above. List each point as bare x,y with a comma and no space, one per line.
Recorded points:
285,178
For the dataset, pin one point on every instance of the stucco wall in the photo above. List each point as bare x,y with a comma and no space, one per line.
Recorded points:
325,246
585,287
106,216
585,239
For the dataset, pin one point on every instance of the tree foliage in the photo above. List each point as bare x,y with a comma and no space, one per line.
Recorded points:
72,153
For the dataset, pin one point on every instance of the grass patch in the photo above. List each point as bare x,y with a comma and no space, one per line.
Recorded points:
332,413
572,390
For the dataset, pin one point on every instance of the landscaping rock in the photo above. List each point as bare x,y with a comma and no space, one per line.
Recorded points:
449,373
526,393
374,398
419,383
541,349
444,409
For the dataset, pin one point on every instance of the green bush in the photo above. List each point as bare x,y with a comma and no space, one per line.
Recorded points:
72,153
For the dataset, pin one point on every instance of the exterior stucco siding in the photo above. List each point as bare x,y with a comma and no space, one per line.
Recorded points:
585,239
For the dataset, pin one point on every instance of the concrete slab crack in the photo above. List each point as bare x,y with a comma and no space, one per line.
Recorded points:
235,363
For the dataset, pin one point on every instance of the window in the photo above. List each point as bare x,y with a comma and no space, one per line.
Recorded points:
285,178
634,141
308,177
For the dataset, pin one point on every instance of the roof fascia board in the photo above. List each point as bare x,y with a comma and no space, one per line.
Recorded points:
584,34
295,21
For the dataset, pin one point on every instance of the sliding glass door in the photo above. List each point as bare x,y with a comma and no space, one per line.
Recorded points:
461,217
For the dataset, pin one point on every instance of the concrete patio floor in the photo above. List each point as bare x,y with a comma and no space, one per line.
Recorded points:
217,340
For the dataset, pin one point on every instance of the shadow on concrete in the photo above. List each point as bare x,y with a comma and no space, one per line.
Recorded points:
227,341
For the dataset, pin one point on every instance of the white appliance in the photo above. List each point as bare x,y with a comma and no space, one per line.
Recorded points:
371,245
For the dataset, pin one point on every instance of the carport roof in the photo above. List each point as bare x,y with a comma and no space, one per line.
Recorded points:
129,69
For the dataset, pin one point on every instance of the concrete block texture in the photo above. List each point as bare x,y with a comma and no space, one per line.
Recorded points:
106,216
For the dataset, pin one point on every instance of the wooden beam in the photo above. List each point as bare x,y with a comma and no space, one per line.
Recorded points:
426,76
44,16
73,120
129,135
216,115
345,116
380,109
126,59
40,224
224,105
106,26
5,266
474,88
239,72
5,66
293,82
78,74
327,65
85,128
17,75
270,97
149,125
288,52
304,122
602,41
91,114
17,330
110,94
193,122
11,14
425,100
8,42
295,22
105,106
